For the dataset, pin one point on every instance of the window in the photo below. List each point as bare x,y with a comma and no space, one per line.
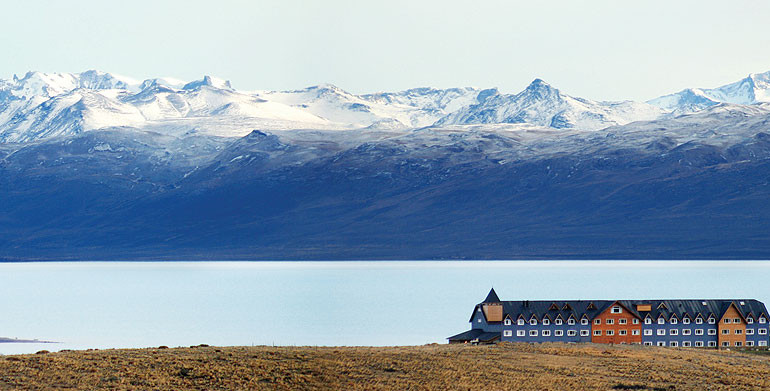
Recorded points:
725,344
686,320
546,322
583,322
634,332
572,333
533,333
712,344
610,321
635,321
610,332
647,321
597,321
546,333
749,320
698,320
647,332
558,333
479,321
597,332
616,309
762,319
507,322
737,320
712,321
673,332
739,331
727,320
712,332
507,333
749,343
583,333
673,344
623,321
622,332
661,343
661,332
520,333
762,343
661,321
571,321
648,343
686,344
698,344
698,331
533,322
520,322
762,331
558,322
674,320
686,332
739,343
725,331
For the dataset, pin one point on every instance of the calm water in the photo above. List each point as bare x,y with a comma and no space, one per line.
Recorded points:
113,305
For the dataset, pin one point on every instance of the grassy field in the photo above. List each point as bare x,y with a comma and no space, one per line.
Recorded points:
455,367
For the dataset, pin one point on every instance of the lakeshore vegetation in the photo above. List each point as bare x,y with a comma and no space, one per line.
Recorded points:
454,367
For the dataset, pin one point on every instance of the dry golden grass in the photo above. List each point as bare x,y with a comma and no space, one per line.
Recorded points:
444,367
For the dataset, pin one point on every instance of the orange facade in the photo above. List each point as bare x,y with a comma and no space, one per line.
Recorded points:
616,325
731,329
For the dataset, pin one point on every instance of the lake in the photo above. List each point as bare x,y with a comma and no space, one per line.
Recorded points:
144,304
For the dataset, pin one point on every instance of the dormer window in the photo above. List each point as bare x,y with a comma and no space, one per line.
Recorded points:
662,306
616,309
647,320
591,306
546,322
553,307
712,320
686,320
520,322
661,320
507,322
566,307
533,322
750,320
698,320
762,319
674,320
584,321
558,322
571,321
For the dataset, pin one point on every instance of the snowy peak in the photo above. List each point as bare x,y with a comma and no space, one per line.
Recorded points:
209,82
752,89
540,90
542,104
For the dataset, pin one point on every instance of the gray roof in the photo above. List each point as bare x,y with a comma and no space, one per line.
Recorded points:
693,308
553,309
470,335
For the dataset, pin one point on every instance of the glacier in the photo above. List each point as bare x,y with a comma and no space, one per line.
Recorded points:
95,166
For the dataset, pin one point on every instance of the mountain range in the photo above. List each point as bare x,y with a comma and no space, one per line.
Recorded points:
99,166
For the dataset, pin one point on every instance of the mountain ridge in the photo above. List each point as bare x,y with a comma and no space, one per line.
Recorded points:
27,105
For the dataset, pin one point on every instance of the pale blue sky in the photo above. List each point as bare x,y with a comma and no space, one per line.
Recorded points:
608,49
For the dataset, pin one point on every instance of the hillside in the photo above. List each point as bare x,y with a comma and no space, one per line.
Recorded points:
455,367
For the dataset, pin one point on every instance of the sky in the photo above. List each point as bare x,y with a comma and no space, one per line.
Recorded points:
598,49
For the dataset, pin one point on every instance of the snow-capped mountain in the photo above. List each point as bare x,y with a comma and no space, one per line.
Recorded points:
753,89
541,104
43,105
